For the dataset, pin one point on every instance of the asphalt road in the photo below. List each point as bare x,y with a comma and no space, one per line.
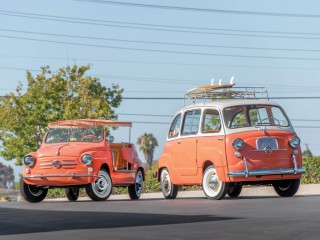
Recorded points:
182,218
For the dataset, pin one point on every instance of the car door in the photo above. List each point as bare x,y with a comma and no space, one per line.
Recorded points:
211,140
185,147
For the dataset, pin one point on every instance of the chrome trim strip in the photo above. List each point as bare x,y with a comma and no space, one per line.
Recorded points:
262,150
266,172
246,170
295,166
45,164
60,175
262,138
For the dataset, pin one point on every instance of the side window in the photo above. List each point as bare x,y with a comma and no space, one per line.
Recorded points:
191,122
211,121
175,127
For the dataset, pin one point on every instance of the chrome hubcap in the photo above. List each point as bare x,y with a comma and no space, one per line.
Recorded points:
35,191
285,187
139,181
101,184
166,183
213,182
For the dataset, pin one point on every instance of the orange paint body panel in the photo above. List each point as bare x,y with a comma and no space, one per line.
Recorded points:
260,160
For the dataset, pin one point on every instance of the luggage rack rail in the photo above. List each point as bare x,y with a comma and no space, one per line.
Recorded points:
226,92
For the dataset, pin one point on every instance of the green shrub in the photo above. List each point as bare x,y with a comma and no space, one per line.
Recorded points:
60,193
56,193
151,183
4,198
312,166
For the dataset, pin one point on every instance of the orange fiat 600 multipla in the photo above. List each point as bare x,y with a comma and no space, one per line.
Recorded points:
81,154
234,140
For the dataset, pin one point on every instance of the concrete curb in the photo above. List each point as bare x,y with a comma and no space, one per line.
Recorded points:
261,191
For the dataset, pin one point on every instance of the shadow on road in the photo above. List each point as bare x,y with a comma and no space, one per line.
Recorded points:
18,221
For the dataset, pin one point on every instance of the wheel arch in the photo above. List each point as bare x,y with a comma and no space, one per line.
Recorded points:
219,169
105,167
206,164
164,162
159,172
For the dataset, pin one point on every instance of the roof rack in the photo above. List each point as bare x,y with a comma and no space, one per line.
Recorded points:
226,91
82,123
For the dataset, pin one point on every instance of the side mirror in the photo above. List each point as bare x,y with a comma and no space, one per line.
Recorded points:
110,139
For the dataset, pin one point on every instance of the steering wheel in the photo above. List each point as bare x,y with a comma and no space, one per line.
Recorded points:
263,121
89,136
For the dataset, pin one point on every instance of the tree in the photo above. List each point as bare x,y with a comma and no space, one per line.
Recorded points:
6,176
307,152
147,143
66,94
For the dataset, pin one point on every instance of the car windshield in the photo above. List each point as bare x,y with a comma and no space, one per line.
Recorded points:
254,115
56,135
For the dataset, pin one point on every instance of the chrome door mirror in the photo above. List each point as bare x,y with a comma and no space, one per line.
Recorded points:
110,139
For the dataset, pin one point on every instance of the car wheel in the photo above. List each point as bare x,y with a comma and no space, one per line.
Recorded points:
31,193
169,190
286,188
101,189
213,188
72,193
234,190
135,190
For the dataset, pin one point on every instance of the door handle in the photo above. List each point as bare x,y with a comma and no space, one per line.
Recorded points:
179,142
220,139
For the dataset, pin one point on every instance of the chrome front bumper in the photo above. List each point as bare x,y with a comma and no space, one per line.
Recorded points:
60,175
267,172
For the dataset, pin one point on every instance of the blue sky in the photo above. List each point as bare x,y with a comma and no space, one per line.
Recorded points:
157,52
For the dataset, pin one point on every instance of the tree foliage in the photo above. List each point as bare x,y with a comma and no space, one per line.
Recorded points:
51,96
147,143
307,152
312,166
6,176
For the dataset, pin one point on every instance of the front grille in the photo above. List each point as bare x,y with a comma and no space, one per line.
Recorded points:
66,164
262,143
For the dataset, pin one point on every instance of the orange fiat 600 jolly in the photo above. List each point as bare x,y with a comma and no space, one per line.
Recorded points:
81,154
234,140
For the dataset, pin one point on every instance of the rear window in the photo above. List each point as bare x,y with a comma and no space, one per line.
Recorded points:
175,127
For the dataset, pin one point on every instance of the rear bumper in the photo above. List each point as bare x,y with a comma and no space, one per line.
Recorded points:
267,172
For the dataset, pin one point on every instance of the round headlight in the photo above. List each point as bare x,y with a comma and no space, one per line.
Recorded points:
238,144
29,160
294,142
86,159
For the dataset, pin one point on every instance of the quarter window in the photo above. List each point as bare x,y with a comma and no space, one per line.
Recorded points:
191,122
211,121
175,127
